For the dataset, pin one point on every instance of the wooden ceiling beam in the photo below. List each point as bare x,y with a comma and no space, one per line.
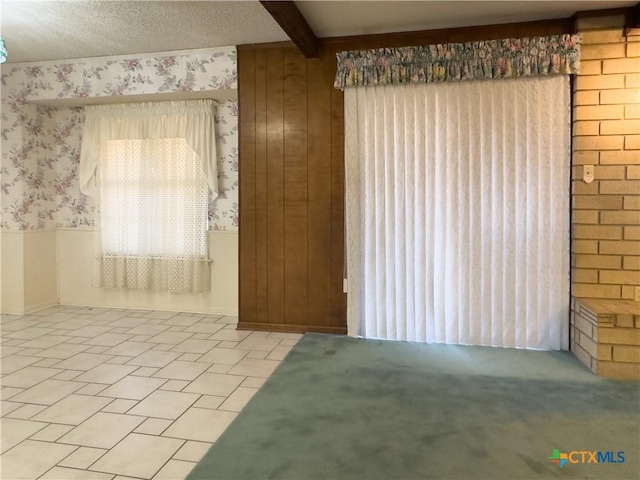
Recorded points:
294,24
635,17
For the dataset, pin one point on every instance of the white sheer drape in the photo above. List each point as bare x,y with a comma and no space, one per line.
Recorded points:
152,194
458,212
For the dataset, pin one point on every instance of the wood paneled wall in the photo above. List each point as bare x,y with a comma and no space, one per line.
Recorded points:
291,192
292,175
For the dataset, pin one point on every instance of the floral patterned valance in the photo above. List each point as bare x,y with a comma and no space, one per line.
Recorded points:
507,58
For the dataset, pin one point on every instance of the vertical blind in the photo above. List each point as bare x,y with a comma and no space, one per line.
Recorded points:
458,212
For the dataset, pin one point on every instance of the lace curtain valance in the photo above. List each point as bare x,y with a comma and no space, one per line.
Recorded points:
149,166
507,58
192,120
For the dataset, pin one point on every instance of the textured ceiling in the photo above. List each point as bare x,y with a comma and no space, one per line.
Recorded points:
344,18
55,30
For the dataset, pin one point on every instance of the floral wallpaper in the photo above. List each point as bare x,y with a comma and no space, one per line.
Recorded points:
223,211
41,145
506,58
28,170
73,208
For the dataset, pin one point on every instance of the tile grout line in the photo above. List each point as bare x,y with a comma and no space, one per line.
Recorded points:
170,332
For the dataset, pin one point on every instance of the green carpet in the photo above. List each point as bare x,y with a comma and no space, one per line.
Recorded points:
340,408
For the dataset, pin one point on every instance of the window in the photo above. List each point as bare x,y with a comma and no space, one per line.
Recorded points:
151,187
153,199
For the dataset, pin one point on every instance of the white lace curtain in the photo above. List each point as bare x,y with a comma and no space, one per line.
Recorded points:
191,120
150,167
458,212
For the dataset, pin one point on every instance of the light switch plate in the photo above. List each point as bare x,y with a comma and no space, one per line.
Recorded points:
588,173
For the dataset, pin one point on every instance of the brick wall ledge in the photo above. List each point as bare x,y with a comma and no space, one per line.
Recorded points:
623,313
605,336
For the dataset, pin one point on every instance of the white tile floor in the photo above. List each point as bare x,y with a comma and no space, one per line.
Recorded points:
92,393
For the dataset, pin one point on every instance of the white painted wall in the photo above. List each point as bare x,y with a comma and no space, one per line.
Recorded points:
12,273
40,270
75,260
1,281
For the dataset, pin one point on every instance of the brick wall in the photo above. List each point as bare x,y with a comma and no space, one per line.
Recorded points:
606,129
605,336
605,249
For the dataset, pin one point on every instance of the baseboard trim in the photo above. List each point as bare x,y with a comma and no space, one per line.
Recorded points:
229,312
92,230
279,327
12,311
29,309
